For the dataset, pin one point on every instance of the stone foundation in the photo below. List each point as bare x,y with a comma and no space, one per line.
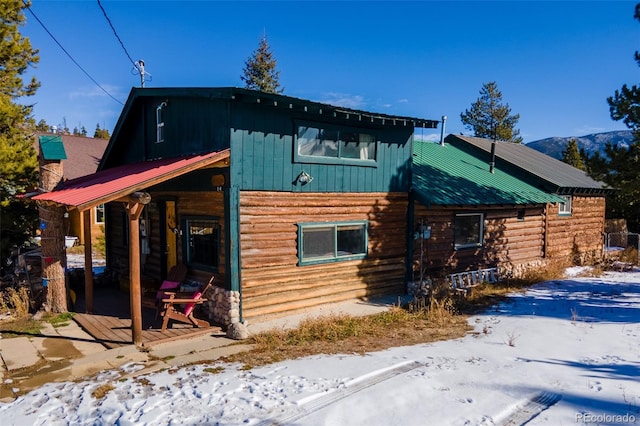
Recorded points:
510,270
223,306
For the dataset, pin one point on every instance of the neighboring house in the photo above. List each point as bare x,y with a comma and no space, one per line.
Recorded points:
467,217
573,229
289,203
80,156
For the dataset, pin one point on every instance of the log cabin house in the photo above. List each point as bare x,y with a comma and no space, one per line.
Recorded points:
574,229
510,211
288,203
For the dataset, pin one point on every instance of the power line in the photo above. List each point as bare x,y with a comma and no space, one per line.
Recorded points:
104,12
138,66
68,54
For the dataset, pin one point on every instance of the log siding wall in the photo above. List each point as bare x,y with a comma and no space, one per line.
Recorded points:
507,240
272,282
578,237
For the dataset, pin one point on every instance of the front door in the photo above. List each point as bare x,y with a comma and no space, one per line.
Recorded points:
169,235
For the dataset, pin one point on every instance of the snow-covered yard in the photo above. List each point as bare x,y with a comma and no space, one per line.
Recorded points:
563,353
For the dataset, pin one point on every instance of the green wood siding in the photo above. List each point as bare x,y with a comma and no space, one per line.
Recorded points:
192,125
262,152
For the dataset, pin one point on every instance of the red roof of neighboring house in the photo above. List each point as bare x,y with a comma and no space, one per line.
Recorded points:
112,184
83,154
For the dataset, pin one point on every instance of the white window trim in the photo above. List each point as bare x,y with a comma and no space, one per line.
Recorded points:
566,208
160,122
95,213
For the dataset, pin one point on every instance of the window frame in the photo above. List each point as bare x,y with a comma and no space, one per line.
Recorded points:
321,159
97,209
186,242
562,207
480,239
160,122
336,257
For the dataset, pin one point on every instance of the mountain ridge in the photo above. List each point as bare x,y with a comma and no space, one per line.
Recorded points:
591,143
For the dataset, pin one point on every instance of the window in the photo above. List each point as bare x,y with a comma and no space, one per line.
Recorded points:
330,242
99,214
160,122
334,145
468,230
565,208
201,242
521,215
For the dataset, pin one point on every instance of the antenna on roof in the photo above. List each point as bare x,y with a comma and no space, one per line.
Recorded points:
139,68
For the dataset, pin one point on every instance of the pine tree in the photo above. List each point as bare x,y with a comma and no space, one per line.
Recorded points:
260,71
42,126
571,155
101,133
625,103
490,118
18,161
619,167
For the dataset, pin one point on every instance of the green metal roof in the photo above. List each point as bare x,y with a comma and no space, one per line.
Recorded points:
52,147
446,175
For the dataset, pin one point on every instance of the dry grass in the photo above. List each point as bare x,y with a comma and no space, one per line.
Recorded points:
349,334
14,301
442,316
102,390
486,295
630,255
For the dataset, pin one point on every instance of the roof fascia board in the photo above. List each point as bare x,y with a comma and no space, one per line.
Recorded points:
154,181
141,185
118,127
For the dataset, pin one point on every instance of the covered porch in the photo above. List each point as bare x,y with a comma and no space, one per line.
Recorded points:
110,322
122,322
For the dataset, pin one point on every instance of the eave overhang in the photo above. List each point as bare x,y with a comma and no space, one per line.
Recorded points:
119,182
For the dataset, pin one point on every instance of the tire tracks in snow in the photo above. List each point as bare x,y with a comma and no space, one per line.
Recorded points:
317,402
526,412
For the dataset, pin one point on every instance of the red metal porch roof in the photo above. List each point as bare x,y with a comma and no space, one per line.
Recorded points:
111,184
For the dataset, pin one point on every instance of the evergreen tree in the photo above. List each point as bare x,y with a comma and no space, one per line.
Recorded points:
625,103
572,155
18,161
619,167
260,72
101,133
42,126
490,118
83,131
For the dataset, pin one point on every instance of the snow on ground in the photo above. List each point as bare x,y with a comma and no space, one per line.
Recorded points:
563,353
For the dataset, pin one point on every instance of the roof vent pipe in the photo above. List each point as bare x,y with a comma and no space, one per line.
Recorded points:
444,121
492,163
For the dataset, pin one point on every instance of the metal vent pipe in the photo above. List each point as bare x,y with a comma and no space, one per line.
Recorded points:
444,121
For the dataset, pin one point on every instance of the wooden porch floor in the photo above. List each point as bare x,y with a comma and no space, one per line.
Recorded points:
110,322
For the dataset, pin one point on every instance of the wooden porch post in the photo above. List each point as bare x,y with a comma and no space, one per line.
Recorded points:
134,208
88,262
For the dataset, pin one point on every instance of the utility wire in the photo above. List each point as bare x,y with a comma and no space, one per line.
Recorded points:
68,54
104,12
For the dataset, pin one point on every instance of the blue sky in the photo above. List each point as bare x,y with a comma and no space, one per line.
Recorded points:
555,62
